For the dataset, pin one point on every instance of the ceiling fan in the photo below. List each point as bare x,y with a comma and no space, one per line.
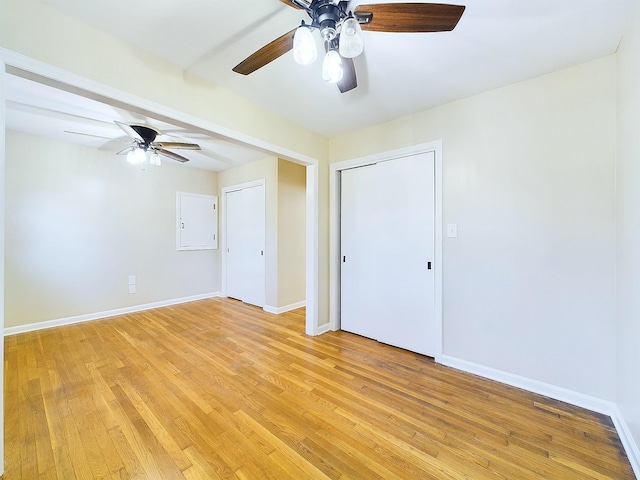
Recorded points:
340,29
144,145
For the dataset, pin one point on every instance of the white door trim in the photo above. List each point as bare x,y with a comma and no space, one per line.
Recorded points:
312,246
2,280
334,228
18,63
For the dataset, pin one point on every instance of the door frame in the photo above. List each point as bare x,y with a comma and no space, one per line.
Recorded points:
223,223
2,254
334,229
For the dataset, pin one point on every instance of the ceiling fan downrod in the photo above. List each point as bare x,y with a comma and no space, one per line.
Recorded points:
326,16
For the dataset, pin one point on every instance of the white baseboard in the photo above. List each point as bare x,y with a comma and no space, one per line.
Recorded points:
30,327
564,395
630,446
286,308
324,328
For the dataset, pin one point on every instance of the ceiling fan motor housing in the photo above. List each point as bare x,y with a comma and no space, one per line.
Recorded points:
148,134
326,15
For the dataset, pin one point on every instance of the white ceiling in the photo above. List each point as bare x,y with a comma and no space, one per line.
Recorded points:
38,109
496,43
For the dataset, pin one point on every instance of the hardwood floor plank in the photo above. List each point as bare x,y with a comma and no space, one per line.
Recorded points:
156,428
139,440
219,389
289,458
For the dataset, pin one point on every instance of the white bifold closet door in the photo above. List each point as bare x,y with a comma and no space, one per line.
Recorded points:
387,246
245,225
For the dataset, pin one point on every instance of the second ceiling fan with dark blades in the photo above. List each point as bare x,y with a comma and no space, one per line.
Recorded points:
340,29
144,145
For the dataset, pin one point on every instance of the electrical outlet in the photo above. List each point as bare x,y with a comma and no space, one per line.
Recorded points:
132,289
132,279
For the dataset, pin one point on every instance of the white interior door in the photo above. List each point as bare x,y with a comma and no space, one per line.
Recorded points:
245,225
387,243
358,227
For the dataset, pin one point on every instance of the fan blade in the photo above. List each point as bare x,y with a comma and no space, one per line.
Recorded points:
266,54
291,4
89,135
410,17
349,80
126,150
129,131
171,155
181,145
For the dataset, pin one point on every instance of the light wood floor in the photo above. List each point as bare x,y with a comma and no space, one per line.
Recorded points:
218,389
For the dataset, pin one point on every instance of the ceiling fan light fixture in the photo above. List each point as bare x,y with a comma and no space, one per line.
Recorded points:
304,46
351,44
332,67
136,156
154,159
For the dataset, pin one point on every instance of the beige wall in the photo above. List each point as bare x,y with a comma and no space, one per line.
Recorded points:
528,177
291,233
285,196
628,231
79,221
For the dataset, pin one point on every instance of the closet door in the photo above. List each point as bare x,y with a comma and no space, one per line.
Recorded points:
387,230
359,229
245,224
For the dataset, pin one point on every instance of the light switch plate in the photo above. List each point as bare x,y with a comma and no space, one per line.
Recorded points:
452,230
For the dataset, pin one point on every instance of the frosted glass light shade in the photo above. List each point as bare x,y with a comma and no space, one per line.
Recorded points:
136,156
154,159
332,67
304,46
351,44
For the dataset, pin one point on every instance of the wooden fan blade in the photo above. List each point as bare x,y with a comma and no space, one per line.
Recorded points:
291,4
172,155
266,54
411,17
129,131
349,80
181,145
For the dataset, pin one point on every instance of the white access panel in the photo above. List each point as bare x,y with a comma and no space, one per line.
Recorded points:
387,244
245,230
197,222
